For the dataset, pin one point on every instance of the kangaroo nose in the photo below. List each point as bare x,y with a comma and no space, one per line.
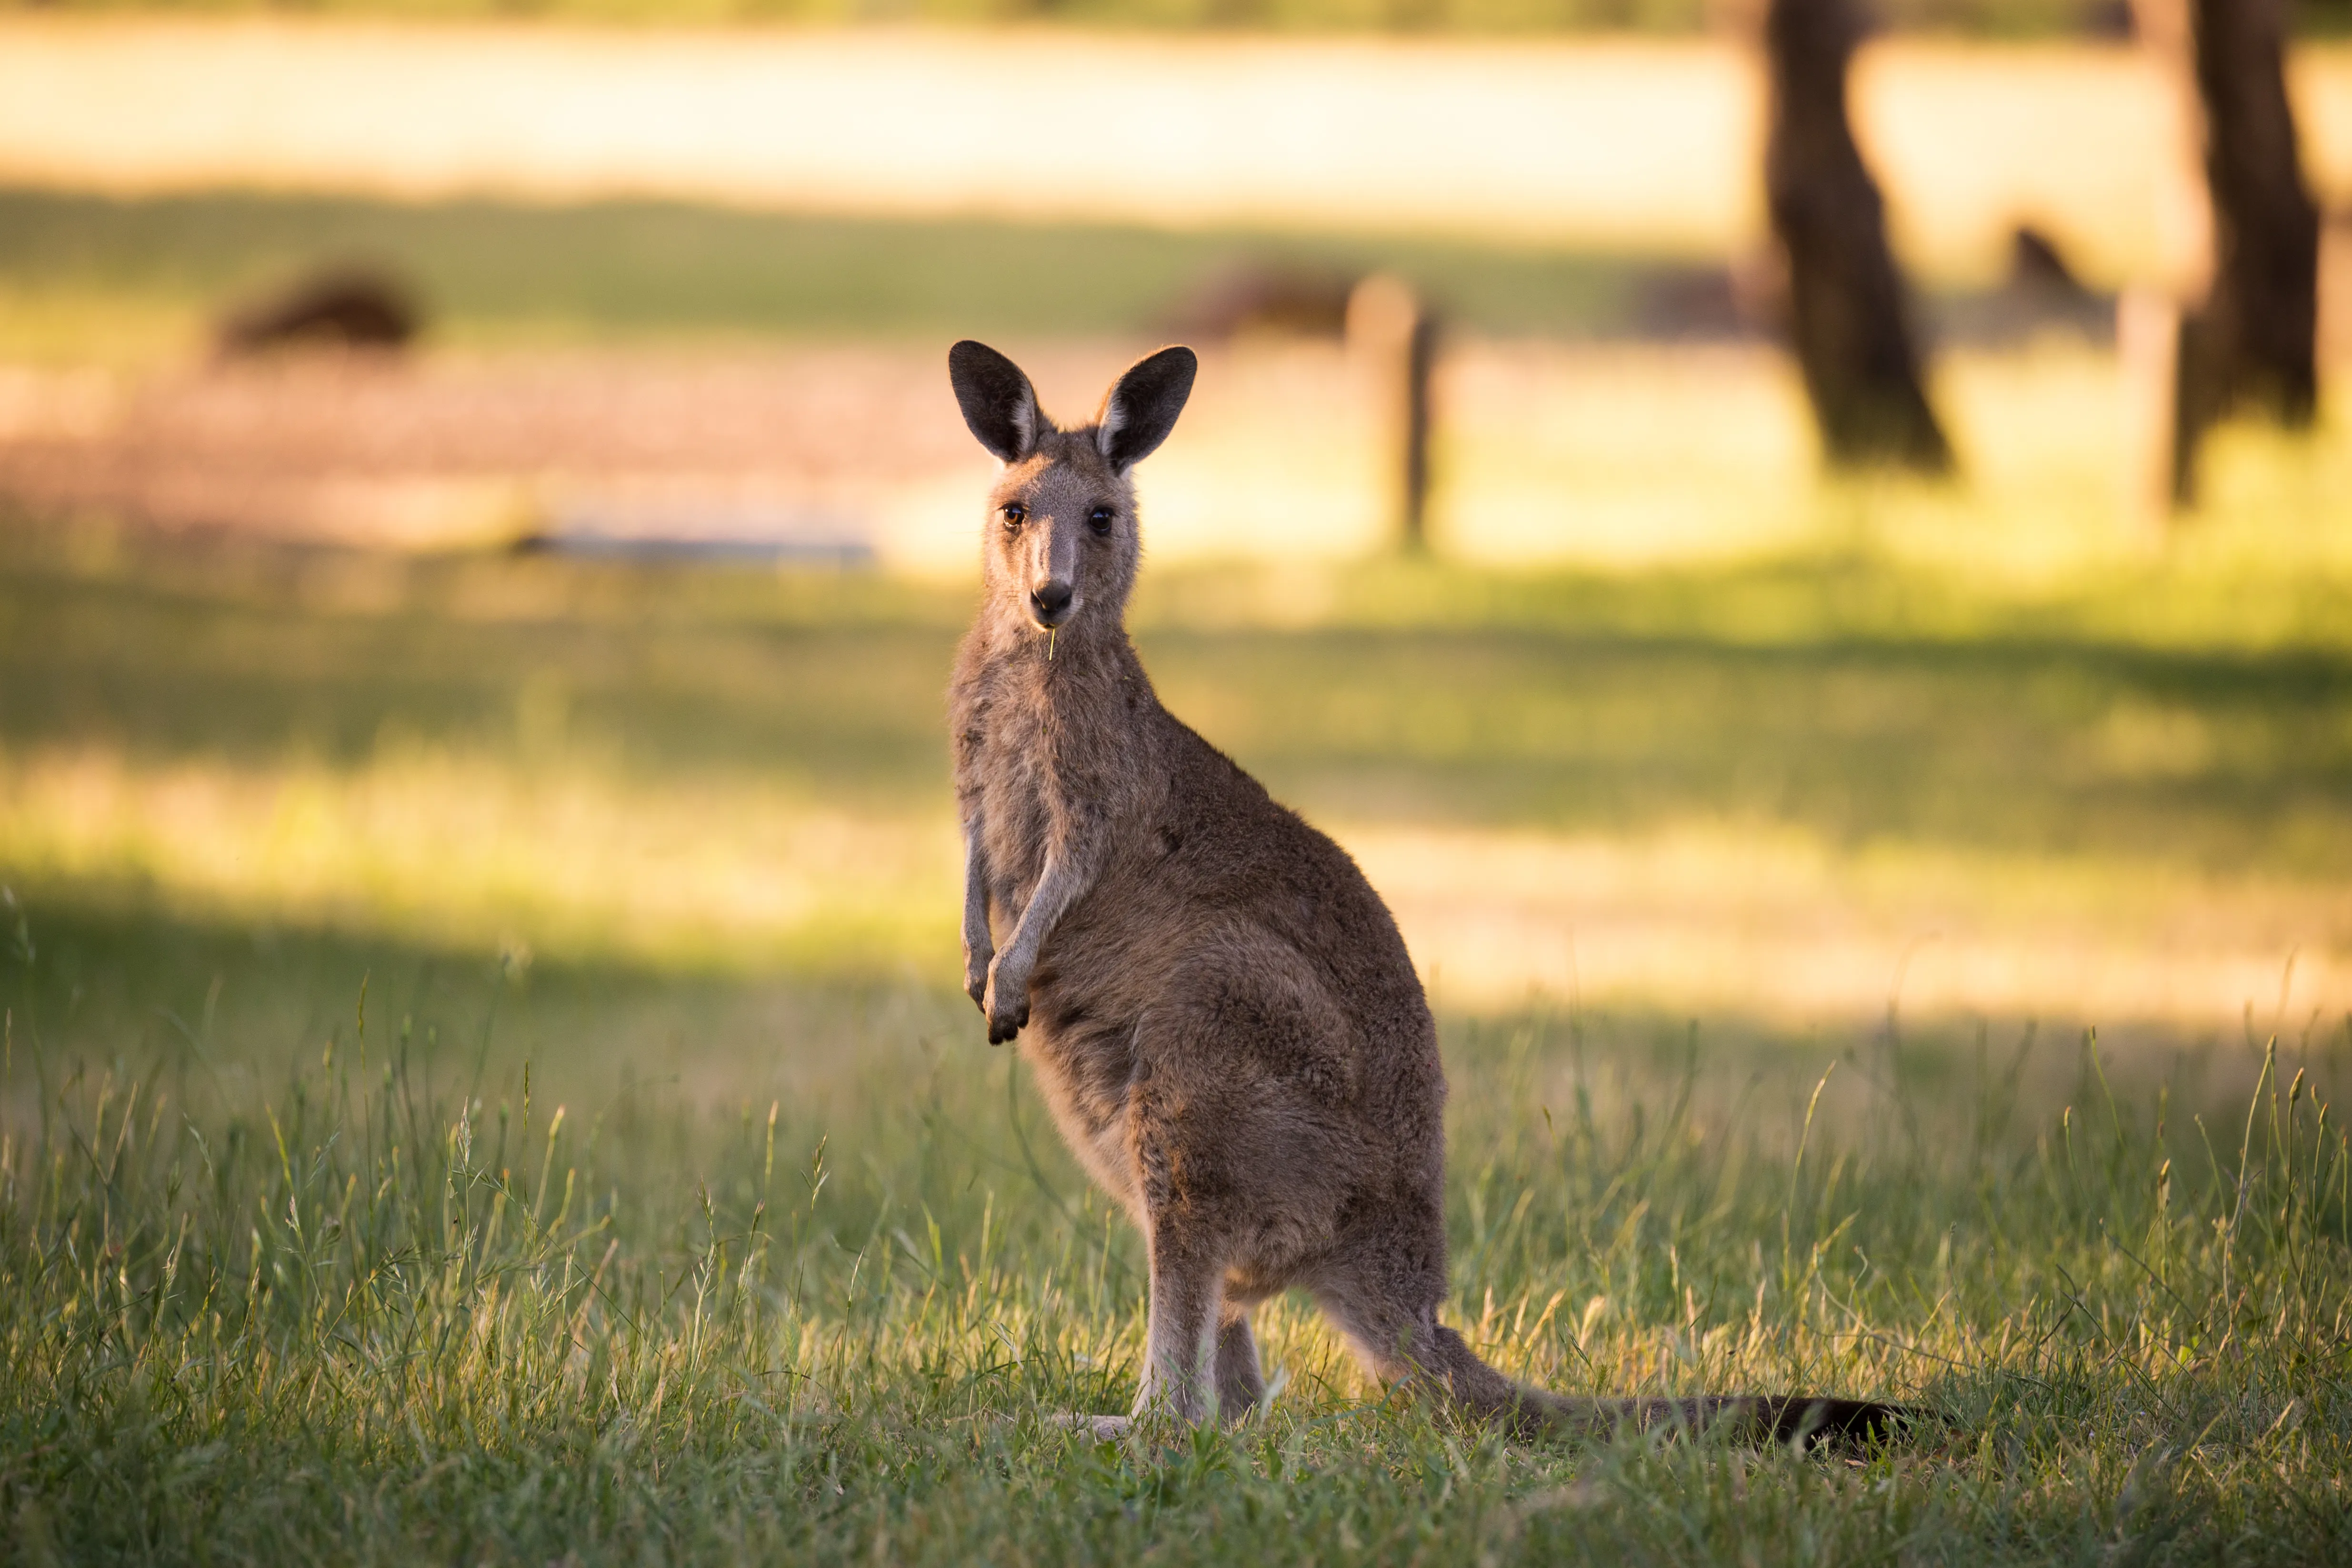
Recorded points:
1050,599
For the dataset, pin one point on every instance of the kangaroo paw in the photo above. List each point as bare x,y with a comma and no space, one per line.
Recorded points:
1005,1001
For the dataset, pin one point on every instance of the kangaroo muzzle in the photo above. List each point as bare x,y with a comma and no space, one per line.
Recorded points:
1049,602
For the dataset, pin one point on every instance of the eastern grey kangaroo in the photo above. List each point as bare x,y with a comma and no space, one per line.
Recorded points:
1215,1002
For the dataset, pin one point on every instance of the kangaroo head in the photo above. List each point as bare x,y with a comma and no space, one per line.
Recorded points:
1061,538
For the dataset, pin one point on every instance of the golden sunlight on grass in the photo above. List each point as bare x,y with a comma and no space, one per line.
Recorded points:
439,848
1780,926
443,849
1642,457
1625,455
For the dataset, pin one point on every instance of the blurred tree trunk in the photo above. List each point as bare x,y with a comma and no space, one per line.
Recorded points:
2254,340
1846,307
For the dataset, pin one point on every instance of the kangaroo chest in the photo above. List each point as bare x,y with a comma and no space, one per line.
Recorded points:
1068,770
1017,788
1043,779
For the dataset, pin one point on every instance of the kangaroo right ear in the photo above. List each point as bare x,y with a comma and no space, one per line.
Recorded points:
998,402
1141,406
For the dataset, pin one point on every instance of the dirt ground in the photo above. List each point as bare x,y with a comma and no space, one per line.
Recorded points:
1604,455
854,454
362,449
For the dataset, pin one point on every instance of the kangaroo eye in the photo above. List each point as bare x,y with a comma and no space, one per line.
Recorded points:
1014,514
1099,520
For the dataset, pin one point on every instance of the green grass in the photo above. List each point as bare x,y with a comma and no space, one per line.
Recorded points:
412,1279
296,1262
83,275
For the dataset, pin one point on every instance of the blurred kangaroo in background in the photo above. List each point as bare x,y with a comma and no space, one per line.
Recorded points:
1215,1002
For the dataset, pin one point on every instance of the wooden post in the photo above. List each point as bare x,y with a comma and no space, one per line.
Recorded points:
1392,339
1846,309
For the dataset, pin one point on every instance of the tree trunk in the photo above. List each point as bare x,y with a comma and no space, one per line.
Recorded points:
2251,340
2263,312
1846,307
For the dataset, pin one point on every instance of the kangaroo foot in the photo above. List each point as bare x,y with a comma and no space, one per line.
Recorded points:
1101,1428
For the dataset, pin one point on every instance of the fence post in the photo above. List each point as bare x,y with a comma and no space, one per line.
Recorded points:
1392,343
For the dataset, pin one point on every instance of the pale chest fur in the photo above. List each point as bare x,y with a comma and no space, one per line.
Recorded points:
1042,765
1040,772
1016,791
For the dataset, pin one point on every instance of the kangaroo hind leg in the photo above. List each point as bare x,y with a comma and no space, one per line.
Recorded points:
1181,1341
1193,1350
1241,1383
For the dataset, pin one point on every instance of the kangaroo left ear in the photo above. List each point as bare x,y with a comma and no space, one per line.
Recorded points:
998,406
1141,406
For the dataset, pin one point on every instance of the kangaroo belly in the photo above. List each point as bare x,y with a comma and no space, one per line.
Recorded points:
1085,1069
1219,1078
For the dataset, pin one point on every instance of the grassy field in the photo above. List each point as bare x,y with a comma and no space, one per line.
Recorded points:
397,1300
86,278
479,1081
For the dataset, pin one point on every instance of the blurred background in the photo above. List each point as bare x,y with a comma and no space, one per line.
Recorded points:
1827,520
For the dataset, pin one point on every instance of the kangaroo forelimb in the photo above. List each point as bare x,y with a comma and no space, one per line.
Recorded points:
979,940
1006,998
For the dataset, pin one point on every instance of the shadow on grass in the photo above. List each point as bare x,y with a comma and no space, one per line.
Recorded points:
1611,708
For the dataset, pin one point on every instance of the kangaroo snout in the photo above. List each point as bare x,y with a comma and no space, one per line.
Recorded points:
1049,601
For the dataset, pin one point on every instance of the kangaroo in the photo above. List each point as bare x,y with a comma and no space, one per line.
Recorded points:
1217,1006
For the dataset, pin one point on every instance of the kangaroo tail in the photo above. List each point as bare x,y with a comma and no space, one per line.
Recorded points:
1477,1390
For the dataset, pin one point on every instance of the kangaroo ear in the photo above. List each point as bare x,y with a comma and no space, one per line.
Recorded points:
1141,406
998,402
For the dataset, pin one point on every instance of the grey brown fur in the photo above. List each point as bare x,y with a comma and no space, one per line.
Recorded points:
1216,1004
